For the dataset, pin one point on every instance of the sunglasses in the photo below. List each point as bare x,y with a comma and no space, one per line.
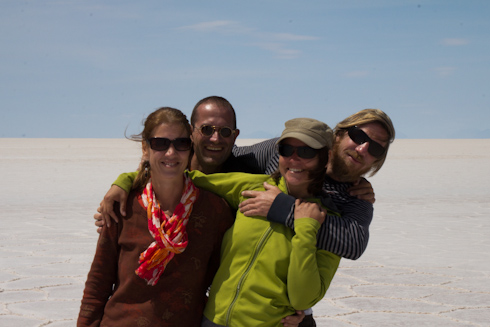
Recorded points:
208,130
304,152
163,143
360,137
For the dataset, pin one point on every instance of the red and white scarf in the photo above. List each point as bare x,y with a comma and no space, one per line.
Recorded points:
169,232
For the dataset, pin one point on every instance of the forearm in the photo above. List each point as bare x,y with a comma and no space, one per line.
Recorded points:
258,155
346,236
229,186
282,210
311,270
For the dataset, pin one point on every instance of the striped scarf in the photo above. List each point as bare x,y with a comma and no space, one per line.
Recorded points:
169,232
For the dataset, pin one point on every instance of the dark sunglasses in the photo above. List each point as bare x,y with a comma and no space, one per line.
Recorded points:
163,143
360,137
208,130
304,152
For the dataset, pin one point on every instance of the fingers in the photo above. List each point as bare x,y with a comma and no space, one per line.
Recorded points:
309,210
271,188
250,194
98,216
99,223
268,186
294,320
122,207
251,208
107,217
366,194
363,190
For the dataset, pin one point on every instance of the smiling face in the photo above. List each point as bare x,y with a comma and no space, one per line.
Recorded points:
295,170
349,160
169,164
210,152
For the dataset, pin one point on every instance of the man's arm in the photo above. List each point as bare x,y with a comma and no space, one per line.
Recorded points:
118,192
263,156
346,236
363,190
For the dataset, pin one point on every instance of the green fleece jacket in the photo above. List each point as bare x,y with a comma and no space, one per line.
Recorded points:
267,270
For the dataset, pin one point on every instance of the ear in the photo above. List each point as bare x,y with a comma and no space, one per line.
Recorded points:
237,132
192,136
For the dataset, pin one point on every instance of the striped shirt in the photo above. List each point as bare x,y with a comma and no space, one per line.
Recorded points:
346,235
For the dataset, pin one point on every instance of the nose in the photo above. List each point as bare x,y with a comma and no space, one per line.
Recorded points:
294,156
215,136
171,150
363,148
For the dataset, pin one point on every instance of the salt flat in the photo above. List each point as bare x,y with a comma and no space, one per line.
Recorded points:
427,263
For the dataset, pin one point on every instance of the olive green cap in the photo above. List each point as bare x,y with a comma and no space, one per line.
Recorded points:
312,132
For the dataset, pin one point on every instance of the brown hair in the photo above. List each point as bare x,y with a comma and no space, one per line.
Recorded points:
163,115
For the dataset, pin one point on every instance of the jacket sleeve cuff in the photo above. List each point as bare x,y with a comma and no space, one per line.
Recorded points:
281,208
125,181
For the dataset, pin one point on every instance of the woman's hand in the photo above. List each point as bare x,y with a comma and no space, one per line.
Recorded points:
310,210
294,320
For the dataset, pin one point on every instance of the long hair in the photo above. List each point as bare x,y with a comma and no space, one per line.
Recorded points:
364,117
164,115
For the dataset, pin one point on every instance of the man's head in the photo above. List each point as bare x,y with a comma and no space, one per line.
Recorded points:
214,133
361,143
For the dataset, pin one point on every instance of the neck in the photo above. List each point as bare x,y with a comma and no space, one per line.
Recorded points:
298,192
168,193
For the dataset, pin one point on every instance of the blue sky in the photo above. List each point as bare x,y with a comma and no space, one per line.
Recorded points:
95,69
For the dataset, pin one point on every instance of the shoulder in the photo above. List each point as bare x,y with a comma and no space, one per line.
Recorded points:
211,207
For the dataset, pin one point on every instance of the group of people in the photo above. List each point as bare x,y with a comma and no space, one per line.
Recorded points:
211,234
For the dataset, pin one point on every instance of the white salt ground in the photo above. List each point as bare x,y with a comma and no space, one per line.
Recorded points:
427,263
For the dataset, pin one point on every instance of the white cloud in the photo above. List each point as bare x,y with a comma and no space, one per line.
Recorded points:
293,37
276,43
280,51
454,42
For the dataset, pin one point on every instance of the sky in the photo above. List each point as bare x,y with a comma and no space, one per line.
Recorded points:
96,68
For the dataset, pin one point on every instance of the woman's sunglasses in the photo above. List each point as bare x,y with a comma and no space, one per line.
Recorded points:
304,152
360,137
163,143
208,130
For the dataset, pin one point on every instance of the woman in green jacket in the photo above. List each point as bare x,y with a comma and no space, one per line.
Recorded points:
267,270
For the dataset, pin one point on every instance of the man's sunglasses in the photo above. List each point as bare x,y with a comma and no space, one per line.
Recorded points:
360,137
304,152
163,143
208,130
